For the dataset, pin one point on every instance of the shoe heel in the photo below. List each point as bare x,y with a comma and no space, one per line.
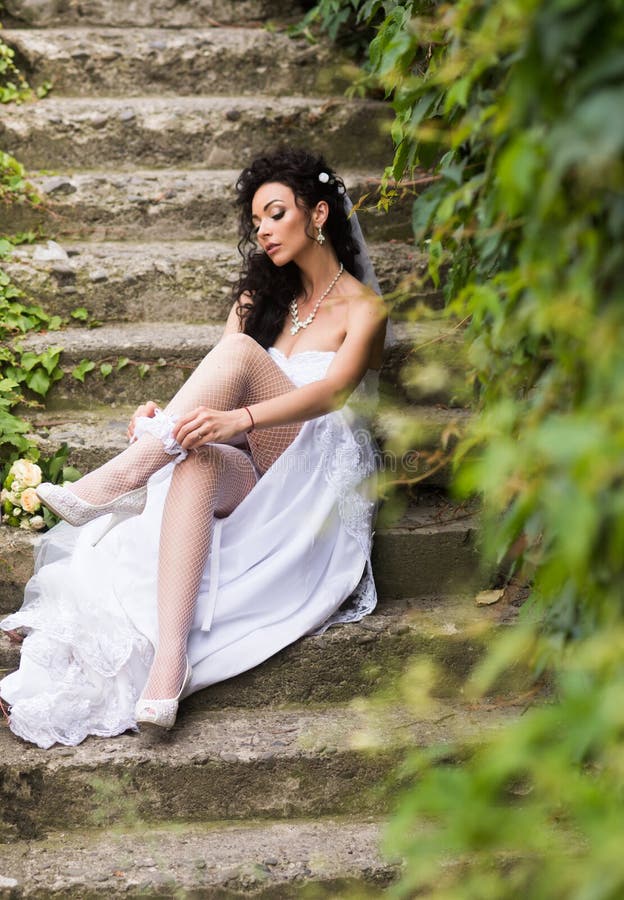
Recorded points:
115,519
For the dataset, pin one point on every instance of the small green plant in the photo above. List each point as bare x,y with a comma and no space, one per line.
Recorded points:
349,24
24,374
14,87
14,187
21,368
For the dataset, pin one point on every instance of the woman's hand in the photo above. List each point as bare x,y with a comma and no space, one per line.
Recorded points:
146,409
204,426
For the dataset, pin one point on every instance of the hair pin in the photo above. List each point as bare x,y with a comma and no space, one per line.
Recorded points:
326,178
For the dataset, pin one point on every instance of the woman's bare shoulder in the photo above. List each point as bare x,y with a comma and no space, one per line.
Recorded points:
364,302
367,319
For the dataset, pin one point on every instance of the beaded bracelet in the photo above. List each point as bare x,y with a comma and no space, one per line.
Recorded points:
253,424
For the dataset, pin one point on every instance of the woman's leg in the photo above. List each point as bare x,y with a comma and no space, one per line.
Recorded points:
210,481
237,372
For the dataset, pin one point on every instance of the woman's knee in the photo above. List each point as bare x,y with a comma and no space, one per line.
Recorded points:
238,342
220,458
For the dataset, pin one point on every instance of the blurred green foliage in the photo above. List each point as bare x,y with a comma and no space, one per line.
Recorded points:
513,108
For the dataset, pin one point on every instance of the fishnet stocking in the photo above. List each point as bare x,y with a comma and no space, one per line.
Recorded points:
237,372
129,469
211,481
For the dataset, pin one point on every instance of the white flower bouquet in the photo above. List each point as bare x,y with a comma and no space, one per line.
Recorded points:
20,505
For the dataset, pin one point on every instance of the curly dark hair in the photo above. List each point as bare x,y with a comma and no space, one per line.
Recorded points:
273,287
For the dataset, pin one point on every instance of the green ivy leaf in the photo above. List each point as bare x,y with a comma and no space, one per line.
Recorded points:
38,381
84,366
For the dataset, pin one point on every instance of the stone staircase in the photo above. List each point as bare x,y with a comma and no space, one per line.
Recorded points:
276,781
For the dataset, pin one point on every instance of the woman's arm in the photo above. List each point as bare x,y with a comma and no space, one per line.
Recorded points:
365,325
365,329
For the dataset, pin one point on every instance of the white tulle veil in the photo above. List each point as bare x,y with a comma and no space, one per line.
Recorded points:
364,269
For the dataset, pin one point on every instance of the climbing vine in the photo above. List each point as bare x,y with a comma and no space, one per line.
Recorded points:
25,375
513,111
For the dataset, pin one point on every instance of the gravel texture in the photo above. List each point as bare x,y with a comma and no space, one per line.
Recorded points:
169,281
146,13
133,61
268,859
231,764
127,132
185,204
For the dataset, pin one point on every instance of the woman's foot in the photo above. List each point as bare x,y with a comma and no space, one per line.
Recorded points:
161,713
64,503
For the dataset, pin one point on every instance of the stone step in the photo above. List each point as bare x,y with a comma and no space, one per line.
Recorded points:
110,62
161,355
273,859
237,765
94,435
144,13
189,281
195,204
124,133
357,659
427,552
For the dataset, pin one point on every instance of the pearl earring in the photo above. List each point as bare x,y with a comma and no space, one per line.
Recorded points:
320,237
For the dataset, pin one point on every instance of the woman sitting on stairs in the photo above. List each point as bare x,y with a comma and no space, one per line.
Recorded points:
243,509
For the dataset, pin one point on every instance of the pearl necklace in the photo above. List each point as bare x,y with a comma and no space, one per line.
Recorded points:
294,309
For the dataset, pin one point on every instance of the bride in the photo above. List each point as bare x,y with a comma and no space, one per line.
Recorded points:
243,511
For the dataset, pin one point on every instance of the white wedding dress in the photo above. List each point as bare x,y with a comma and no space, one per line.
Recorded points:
281,566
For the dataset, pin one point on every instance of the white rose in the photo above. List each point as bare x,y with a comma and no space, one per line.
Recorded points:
17,510
29,500
37,523
26,472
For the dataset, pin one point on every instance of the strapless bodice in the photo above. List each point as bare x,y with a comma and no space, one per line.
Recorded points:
312,365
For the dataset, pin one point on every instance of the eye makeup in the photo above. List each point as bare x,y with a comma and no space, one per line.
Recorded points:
276,216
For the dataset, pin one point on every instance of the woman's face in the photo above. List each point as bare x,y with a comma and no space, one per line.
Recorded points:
281,226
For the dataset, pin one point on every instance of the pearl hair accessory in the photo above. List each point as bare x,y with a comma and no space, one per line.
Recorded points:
326,178
297,325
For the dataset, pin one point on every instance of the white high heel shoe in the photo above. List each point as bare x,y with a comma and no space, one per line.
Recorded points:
72,509
161,713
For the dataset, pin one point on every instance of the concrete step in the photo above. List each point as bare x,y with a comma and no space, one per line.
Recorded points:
238,765
427,552
144,13
110,62
357,659
195,204
188,281
214,860
170,351
196,131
